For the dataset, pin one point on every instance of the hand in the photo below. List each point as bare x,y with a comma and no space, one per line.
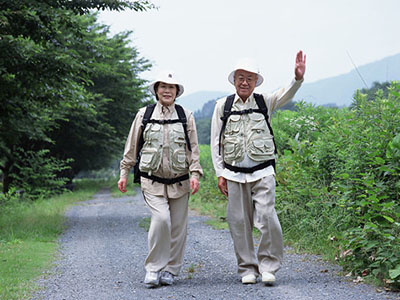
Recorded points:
122,184
223,186
300,67
194,185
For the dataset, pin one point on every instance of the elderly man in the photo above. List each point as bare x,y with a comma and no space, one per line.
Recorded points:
243,153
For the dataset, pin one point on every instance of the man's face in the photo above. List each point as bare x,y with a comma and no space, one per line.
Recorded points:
245,83
166,93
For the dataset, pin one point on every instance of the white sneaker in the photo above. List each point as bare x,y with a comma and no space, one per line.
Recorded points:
268,278
249,279
166,278
152,279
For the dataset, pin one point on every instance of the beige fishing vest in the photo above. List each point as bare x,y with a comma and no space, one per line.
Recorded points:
247,133
154,143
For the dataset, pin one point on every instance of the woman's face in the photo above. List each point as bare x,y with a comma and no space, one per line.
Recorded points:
166,93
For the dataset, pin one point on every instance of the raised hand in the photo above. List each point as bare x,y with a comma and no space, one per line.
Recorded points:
300,67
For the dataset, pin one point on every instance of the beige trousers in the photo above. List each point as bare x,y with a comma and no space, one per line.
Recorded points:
253,204
167,233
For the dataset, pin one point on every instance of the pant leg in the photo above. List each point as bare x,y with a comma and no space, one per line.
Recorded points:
159,236
179,214
270,250
240,219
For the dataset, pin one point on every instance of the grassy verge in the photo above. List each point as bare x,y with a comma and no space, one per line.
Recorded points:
28,234
115,192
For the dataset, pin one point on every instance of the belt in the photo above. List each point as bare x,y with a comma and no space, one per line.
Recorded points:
261,166
165,180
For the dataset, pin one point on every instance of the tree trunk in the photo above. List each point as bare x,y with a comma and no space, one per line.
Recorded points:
6,176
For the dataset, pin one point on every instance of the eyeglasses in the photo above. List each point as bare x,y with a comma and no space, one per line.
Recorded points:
249,79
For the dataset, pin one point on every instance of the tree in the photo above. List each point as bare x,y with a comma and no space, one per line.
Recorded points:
92,137
203,130
41,74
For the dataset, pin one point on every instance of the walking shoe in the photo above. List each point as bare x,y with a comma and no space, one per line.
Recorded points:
166,278
268,278
249,279
152,279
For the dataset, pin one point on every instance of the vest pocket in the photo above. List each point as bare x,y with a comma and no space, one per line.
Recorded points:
261,149
152,132
233,124
178,149
149,160
178,161
232,150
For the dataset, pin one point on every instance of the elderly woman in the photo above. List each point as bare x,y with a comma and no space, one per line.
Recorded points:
169,167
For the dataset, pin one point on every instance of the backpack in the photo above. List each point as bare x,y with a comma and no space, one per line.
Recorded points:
147,119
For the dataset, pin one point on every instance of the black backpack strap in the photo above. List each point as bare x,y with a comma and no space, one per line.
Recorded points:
183,120
146,118
224,118
264,110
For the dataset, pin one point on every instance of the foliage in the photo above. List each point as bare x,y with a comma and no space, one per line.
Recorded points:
36,173
203,131
51,67
92,136
339,178
376,86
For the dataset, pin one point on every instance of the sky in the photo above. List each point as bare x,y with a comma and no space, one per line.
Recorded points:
202,40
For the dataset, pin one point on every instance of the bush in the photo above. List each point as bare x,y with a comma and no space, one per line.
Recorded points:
338,177
37,174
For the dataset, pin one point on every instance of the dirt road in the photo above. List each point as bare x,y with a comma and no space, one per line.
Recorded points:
104,246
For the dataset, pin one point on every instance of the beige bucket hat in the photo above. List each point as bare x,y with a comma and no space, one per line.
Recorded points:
248,65
167,77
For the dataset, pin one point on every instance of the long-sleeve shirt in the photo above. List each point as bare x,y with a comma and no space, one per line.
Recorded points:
175,190
273,101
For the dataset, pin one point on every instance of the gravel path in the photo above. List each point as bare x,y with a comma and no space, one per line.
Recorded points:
103,250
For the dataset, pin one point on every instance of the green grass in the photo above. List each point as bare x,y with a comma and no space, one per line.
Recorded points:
145,223
115,192
28,235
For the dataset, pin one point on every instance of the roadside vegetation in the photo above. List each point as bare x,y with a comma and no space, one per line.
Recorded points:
338,184
28,236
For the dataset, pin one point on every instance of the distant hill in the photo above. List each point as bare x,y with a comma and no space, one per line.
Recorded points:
195,101
339,90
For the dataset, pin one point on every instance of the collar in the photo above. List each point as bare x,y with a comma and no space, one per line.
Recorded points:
239,100
165,109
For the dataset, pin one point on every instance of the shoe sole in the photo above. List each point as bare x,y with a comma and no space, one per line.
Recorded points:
249,281
151,285
252,282
269,283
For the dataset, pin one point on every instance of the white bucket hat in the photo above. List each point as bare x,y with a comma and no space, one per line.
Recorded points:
167,77
248,65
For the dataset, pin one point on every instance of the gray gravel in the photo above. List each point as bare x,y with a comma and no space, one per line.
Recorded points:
103,249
